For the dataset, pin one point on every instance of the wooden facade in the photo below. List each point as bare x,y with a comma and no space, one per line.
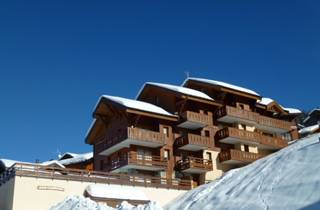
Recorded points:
229,121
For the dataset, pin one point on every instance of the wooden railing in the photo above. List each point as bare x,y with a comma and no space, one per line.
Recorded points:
236,112
254,137
197,117
276,123
131,133
38,171
136,159
237,133
273,141
238,155
193,162
254,117
193,139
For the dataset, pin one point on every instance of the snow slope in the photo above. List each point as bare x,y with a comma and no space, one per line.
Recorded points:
288,179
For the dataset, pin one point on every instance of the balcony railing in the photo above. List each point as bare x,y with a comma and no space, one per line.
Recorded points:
273,141
237,156
236,135
233,136
134,134
194,165
38,171
193,142
194,120
232,114
133,159
236,113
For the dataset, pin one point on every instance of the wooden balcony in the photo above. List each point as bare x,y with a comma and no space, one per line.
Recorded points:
236,136
192,142
132,160
195,120
128,136
237,157
271,142
229,114
274,125
194,165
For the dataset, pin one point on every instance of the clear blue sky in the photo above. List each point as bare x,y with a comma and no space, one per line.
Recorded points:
58,57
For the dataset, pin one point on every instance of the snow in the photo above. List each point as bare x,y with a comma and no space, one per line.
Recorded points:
223,84
139,105
118,192
288,179
8,163
52,163
265,101
77,158
309,130
179,89
292,110
79,203
82,203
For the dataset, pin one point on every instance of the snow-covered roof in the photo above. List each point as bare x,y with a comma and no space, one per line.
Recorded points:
52,163
265,101
179,89
139,105
310,129
8,163
223,84
67,155
78,158
116,192
292,110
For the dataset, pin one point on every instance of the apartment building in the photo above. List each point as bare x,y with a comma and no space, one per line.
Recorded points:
195,132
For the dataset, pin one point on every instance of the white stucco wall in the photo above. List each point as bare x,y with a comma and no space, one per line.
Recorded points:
40,194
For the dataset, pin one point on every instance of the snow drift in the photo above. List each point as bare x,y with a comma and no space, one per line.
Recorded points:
288,179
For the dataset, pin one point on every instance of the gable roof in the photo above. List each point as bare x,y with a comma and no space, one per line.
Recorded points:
138,105
222,84
178,89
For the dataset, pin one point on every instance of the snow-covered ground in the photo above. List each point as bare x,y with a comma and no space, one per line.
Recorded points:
288,179
82,203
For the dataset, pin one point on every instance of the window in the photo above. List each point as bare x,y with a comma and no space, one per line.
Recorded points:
166,131
166,154
241,106
207,133
208,156
246,148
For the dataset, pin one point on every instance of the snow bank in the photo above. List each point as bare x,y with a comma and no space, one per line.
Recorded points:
82,203
116,191
288,179
79,203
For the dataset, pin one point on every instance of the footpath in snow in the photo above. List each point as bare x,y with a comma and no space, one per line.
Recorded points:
288,179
